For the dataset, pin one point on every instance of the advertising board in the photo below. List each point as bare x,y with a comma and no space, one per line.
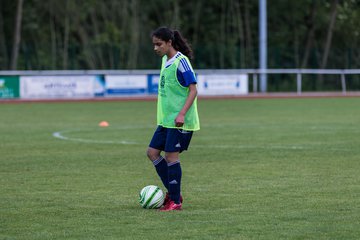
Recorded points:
217,84
9,87
126,84
43,87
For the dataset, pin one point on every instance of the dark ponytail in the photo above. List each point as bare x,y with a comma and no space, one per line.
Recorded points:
178,41
181,44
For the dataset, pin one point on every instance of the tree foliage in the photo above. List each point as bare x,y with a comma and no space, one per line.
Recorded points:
115,34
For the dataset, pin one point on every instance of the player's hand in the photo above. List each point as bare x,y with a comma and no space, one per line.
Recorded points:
179,120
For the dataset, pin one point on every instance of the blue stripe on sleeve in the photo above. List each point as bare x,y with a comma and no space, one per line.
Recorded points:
186,78
185,65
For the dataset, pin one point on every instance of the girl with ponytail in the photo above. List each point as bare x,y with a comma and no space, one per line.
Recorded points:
177,115
178,42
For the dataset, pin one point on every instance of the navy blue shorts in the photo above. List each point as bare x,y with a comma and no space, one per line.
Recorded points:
171,139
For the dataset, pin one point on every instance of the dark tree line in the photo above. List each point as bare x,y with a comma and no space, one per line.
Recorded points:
115,34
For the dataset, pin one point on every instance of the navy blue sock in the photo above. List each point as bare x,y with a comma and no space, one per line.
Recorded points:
175,181
162,170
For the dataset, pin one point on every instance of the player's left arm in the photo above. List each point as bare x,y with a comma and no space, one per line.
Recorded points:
179,120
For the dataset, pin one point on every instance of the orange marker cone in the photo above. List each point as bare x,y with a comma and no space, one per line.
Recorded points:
103,124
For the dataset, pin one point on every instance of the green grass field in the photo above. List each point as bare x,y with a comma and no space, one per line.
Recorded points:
258,169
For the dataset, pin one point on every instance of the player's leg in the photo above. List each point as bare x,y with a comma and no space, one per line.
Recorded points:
153,152
177,140
174,175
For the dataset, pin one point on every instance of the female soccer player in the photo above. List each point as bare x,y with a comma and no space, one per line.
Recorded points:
177,115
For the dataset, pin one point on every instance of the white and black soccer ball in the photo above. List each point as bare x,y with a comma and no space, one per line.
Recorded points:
151,197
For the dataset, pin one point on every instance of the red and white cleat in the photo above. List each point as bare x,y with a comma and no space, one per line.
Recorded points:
167,199
171,206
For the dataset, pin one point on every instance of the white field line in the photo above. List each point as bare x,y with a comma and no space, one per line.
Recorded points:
62,135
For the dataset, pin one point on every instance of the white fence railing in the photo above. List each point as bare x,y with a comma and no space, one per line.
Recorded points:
253,72
298,72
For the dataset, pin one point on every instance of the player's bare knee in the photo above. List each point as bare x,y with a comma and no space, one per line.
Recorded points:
172,157
151,154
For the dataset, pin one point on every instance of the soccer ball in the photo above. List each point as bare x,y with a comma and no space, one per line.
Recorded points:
151,197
